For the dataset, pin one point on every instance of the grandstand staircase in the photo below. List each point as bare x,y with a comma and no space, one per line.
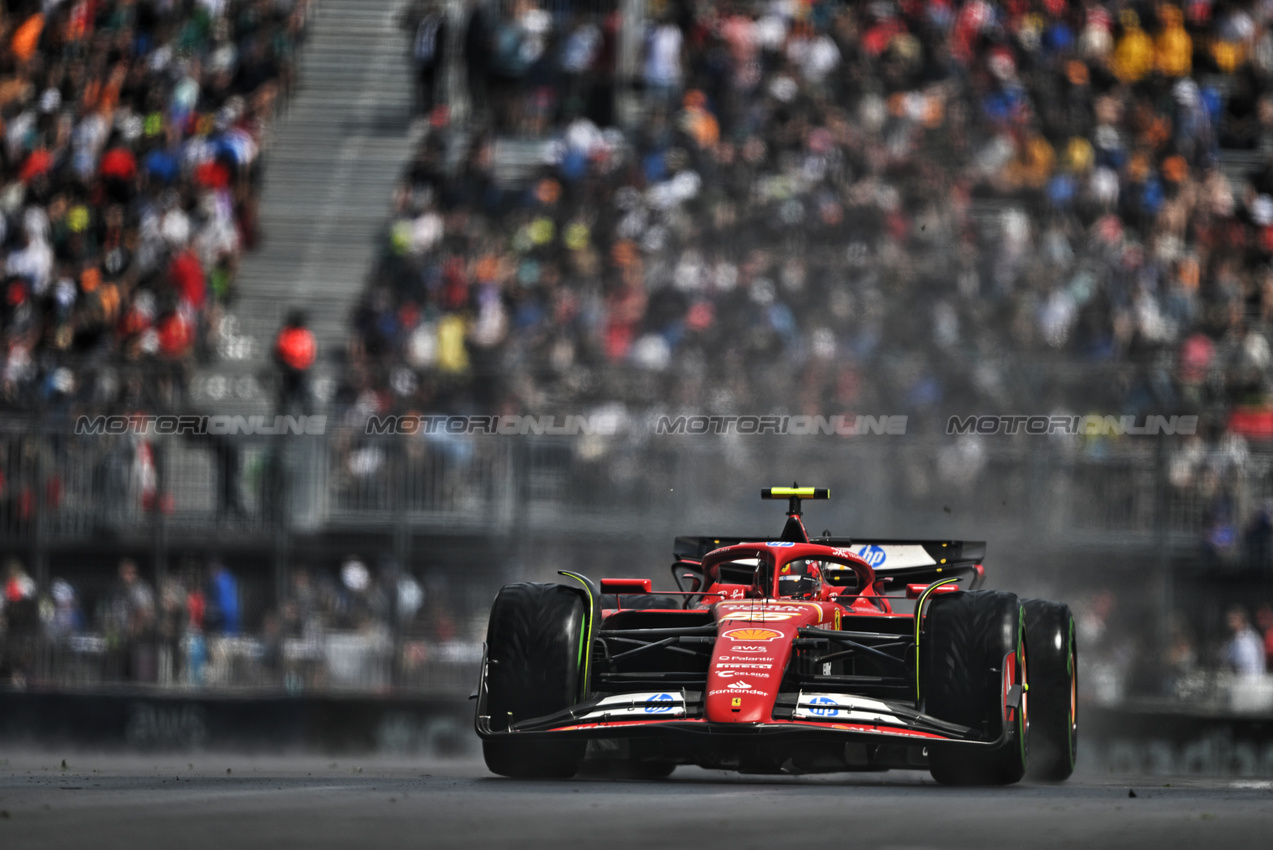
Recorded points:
333,156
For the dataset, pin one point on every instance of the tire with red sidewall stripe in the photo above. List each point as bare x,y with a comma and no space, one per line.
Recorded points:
1053,689
972,653
534,646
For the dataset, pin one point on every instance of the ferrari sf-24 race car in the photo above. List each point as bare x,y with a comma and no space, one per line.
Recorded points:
783,655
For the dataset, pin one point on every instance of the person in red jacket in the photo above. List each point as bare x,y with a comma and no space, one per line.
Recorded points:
295,351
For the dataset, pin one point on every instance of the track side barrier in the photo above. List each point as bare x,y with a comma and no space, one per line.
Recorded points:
151,721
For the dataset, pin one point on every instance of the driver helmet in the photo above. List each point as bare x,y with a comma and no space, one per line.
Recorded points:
800,580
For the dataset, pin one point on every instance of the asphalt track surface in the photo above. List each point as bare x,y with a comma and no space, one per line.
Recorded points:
219,801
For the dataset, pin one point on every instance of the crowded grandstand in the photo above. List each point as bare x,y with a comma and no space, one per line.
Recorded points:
926,208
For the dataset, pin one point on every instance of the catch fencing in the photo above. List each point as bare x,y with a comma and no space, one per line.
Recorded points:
60,487
333,662
66,492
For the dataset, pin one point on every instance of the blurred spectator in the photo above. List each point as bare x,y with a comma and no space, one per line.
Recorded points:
1264,620
1134,54
425,23
1244,652
130,624
1259,540
476,54
131,611
221,615
196,601
518,42
294,351
333,629
364,605
664,62
1045,178
171,627
1181,665
272,646
1046,181
18,586
1219,523
67,619
410,599
226,456
301,606
193,646
634,256
21,618
129,173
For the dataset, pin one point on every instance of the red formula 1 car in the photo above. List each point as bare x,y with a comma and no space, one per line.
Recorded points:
783,655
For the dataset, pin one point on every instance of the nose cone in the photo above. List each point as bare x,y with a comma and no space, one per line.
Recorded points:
753,646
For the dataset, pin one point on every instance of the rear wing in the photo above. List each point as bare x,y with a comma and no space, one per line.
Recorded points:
920,561
884,556
900,561
694,548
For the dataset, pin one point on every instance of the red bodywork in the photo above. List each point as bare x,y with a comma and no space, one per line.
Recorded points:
754,635
747,713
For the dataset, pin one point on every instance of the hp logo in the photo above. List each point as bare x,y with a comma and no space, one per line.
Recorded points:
873,555
828,707
664,704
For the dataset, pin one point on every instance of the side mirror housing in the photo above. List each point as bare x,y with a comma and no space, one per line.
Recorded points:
627,585
684,571
913,591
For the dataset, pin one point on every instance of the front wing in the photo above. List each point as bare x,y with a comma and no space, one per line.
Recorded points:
675,720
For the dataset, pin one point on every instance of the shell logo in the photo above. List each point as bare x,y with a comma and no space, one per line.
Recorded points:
752,634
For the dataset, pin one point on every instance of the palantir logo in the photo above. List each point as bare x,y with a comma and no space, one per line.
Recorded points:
664,704
873,555
829,708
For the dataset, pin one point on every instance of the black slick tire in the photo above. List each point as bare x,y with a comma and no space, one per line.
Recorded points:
1053,690
534,649
968,637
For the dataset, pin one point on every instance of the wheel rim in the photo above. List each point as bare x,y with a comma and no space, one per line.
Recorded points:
1023,723
1074,696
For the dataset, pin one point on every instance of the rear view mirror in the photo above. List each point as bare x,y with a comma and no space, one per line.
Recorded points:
762,583
626,585
913,591
689,573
